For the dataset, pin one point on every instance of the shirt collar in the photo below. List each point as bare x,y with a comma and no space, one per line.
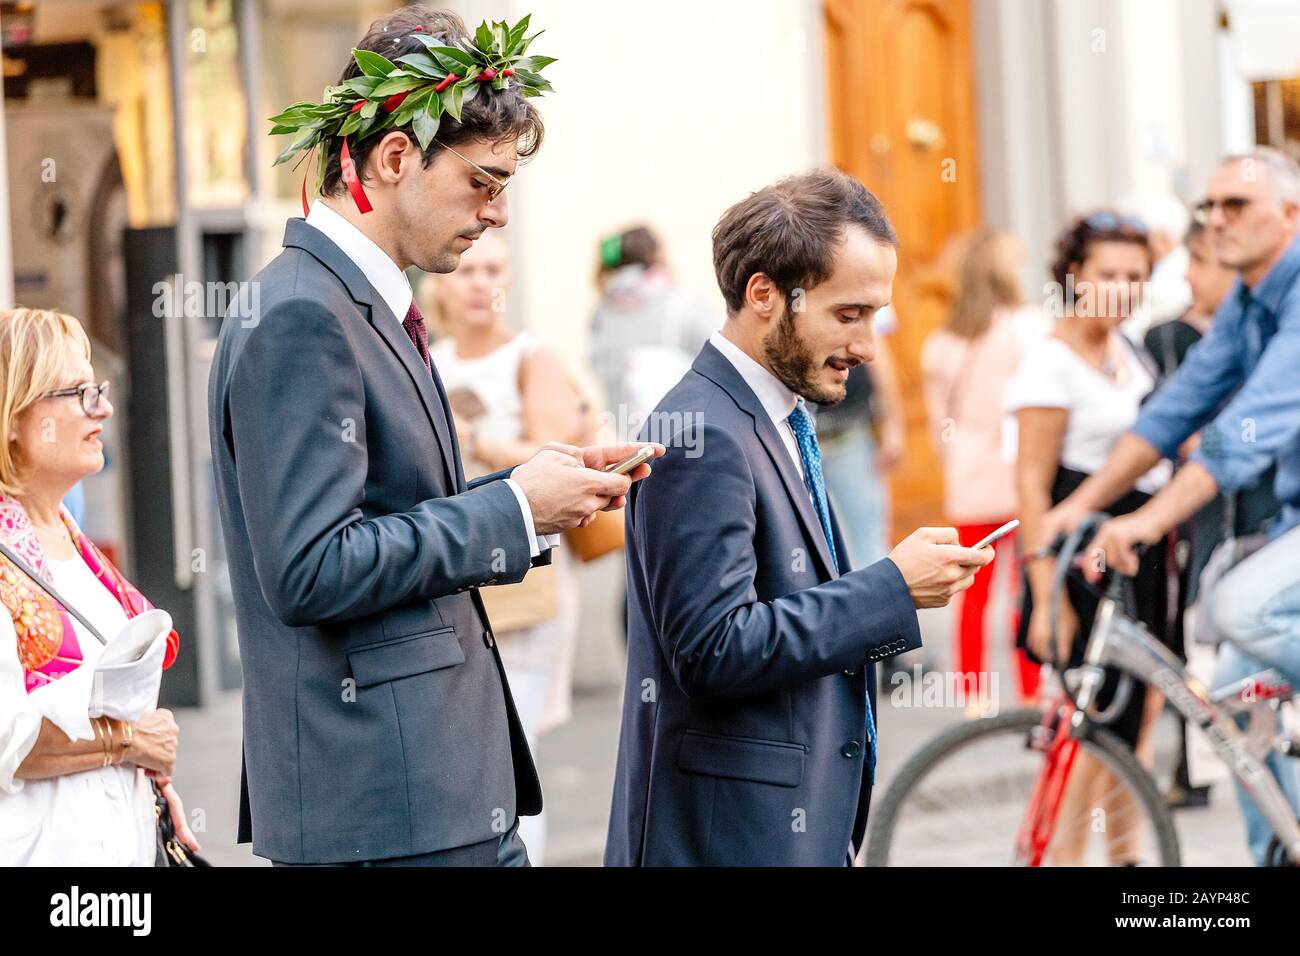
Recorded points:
1278,281
380,271
773,394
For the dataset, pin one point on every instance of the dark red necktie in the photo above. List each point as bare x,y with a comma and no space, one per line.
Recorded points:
414,326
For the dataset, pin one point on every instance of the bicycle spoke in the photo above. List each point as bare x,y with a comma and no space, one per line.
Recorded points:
968,807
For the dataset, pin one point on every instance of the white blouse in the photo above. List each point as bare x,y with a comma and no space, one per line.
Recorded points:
1052,375
494,381
99,817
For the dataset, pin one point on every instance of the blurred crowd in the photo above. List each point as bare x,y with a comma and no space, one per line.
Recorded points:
1026,397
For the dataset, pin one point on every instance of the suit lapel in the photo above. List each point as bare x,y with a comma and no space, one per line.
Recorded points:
714,366
454,457
299,235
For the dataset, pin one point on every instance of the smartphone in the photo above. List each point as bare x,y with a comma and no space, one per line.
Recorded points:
640,458
1002,532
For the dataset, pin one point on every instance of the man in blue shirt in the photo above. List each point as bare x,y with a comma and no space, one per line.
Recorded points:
1240,387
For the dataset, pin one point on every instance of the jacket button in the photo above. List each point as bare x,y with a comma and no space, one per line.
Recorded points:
851,749
487,638
851,672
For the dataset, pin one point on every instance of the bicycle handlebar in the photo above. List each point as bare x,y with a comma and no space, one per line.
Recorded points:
1066,548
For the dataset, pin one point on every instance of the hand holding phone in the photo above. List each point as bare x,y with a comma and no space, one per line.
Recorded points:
629,464
1002,532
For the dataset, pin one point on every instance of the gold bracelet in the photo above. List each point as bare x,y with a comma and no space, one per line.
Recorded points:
103,743
130,737
109,724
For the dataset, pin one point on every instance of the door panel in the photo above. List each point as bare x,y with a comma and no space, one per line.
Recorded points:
902,119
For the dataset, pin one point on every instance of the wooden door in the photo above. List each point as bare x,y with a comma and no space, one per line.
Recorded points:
902,119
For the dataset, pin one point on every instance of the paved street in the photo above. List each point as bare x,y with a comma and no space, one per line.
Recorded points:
577,760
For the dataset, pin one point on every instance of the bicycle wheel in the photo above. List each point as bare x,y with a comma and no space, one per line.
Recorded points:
961,801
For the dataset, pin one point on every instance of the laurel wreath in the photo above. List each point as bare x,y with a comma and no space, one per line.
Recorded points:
417,88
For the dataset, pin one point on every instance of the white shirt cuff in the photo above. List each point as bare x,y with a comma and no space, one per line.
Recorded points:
537,543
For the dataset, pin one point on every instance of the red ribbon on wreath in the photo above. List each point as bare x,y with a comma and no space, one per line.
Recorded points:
353,180
345,159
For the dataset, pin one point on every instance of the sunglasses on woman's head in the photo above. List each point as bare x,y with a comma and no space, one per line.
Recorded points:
1112,222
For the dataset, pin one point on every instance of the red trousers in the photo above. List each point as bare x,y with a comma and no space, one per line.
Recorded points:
974,602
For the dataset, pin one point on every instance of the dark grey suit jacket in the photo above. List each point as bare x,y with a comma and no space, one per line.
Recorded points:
749,657
377,719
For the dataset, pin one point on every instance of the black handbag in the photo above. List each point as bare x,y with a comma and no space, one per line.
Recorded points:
170,852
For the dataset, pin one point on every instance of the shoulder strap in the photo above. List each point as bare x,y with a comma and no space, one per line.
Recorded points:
1141,356
50,590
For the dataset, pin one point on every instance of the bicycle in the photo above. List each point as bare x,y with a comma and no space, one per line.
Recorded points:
1028,814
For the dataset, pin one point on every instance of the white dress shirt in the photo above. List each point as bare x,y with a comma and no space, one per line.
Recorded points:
773,394
392,285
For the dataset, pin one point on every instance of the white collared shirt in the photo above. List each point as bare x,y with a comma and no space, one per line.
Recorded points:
773,394
380,271
394,288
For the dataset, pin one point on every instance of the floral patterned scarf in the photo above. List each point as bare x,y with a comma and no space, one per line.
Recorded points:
47,642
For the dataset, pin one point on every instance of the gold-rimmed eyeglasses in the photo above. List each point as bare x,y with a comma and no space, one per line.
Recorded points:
89,394
497,187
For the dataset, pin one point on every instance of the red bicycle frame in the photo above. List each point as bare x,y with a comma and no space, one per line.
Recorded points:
1058,758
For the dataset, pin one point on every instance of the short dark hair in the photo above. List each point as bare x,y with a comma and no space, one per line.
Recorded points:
788,231
1074,245
501,115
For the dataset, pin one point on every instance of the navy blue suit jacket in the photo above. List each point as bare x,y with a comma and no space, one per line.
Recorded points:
749,656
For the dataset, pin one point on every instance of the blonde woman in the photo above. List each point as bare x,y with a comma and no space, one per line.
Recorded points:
74,787
967,364
510,395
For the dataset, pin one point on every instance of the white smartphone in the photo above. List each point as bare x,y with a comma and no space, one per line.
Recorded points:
628,464
1002,532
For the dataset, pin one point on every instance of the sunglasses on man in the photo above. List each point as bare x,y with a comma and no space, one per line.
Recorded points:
1231,206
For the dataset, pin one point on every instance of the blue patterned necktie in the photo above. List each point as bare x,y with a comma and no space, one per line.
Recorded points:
809,452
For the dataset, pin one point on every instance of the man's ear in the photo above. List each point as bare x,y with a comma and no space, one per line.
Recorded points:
1292,213
386,159
762,297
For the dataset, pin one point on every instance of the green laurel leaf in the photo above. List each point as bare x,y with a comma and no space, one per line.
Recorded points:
372,64
422,63
293,148
534,64
426,125
399,84
527,78
350,125
363,86
516,34
426,99
452,100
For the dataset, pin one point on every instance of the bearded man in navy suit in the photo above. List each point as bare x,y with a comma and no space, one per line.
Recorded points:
749,732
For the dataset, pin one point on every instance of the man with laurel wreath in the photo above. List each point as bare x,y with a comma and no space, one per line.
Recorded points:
378,724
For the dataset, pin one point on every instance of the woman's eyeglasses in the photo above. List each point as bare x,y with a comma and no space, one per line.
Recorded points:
1231,206
90,395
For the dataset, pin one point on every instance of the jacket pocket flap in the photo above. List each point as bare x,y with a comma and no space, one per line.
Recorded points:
411,655
742,758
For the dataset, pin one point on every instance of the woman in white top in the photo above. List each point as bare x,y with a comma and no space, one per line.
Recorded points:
510,395
966,365
1074,393
73,784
